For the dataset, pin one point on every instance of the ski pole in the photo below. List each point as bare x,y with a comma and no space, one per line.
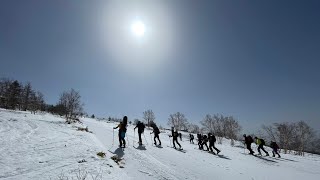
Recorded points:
112,140
113,137
134,136
244,148
128,140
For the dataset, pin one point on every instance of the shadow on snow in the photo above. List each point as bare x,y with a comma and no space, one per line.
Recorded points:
141,148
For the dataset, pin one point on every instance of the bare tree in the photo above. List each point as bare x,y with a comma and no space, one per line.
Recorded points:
193,128
208,123
178,121
291,136
271,132
232,128
221,126
304,135
149,116
314,145
72,103
285,133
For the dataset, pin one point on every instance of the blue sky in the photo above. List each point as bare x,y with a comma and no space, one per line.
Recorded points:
255,60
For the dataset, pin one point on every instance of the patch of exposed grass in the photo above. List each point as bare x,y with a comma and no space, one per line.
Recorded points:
101,154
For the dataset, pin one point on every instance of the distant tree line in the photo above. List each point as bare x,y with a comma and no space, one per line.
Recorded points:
18,96
299,137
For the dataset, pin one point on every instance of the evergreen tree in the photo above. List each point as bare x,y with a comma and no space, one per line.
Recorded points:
14,98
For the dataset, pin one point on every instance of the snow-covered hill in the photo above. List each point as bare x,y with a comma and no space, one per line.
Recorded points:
44,147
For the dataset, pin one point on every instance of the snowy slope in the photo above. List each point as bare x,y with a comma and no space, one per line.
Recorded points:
44,147
168,163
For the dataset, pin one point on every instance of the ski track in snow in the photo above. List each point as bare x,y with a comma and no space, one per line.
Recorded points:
42,146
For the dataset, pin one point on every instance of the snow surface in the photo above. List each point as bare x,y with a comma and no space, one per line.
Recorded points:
42,146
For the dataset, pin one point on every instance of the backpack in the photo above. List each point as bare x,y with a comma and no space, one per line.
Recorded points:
250,140
142,127
214,138
156,130
262,142
205,138
175,134
123,127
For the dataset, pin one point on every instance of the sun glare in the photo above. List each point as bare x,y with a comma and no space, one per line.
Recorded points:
138,28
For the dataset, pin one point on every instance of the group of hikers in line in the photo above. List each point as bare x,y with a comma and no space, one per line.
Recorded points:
248,140
123,129
203,139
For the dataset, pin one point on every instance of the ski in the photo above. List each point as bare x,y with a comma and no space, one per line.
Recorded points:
178,149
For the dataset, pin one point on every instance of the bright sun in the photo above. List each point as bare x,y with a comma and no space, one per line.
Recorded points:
138,28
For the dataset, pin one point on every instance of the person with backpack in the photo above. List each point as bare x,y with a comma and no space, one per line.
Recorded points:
212,140
199,136
248,141
140,127
204,142
174,135
275,149
260,142
122,131
191,138
156,133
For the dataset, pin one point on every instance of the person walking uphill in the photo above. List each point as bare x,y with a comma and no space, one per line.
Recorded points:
275,149
204,142
156,133
140,127
122,131
191,138
248,141
174,135
260,143
212,140
199,136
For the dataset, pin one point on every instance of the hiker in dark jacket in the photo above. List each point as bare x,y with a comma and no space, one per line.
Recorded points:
260,143
191,138
212,140
174,135
140,127
204,142
156,133
275,149
199,136
248,141
122,131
